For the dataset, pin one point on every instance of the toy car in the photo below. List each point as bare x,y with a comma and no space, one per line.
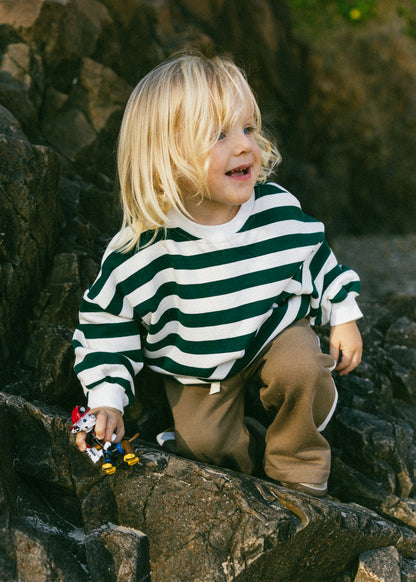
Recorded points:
98,449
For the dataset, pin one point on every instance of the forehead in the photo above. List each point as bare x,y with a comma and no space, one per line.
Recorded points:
233,104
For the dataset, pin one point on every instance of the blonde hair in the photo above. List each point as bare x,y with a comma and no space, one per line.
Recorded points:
172,119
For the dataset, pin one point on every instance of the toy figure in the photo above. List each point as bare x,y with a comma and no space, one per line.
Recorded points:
96,448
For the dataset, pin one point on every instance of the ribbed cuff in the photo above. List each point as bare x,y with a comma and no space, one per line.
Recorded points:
107,395
345,311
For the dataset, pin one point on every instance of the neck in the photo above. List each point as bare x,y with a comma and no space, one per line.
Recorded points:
213,216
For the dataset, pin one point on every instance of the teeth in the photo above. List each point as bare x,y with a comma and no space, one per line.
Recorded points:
237,172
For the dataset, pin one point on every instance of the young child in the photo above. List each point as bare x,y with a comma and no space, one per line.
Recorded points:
214,280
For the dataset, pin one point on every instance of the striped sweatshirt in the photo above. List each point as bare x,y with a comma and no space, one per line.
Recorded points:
200,302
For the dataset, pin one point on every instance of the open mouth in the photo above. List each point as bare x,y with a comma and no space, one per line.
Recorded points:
237,172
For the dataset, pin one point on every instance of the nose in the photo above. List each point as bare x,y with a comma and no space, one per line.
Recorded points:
242,142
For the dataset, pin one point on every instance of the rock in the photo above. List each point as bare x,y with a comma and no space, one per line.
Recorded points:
29,226
203,522
82,124
118,553
9,126
408,570
367,136
68,129
66,30
346,131
379,565
41,556
21,85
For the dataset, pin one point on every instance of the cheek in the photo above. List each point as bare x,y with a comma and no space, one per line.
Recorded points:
214,169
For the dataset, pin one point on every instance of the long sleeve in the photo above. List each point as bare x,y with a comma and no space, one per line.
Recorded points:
107,345
334,289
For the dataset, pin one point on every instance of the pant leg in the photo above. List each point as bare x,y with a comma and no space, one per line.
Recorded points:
297,384
210,427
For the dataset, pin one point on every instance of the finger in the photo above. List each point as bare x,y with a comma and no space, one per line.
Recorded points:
110,427
344,361
115,426
349,363
80,441
119,432
108,421
100,425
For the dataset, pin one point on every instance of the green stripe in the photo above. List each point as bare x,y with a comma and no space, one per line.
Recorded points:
268,189
116,258
218,346
172,367
342,294
331,276
109,330
90,307
217,258
215,318
276,215
321,256
93,359
219,288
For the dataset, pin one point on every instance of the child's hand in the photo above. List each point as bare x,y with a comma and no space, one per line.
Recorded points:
107,421
346,339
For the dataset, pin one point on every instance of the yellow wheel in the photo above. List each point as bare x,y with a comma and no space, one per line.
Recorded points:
130,459
108,468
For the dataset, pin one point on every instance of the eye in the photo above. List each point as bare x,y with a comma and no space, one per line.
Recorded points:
249,129
221,135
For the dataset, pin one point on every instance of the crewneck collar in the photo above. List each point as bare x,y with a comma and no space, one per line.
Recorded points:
207,231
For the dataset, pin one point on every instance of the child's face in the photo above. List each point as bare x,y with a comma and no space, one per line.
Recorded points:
233,168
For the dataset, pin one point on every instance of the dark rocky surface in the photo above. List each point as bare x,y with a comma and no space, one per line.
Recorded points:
345,129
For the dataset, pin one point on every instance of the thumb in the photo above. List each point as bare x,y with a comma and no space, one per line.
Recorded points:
80,441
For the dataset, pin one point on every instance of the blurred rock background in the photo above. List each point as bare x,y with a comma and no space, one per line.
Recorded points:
336,81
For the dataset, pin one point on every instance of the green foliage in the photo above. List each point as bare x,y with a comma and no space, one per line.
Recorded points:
410,19
352,10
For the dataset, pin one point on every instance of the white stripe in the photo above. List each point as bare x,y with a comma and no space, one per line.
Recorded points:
194,360
206,274
91,375
102,318
222,303
219,273
195,248
115,344
218,332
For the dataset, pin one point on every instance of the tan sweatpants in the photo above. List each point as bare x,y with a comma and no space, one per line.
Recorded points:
295,383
